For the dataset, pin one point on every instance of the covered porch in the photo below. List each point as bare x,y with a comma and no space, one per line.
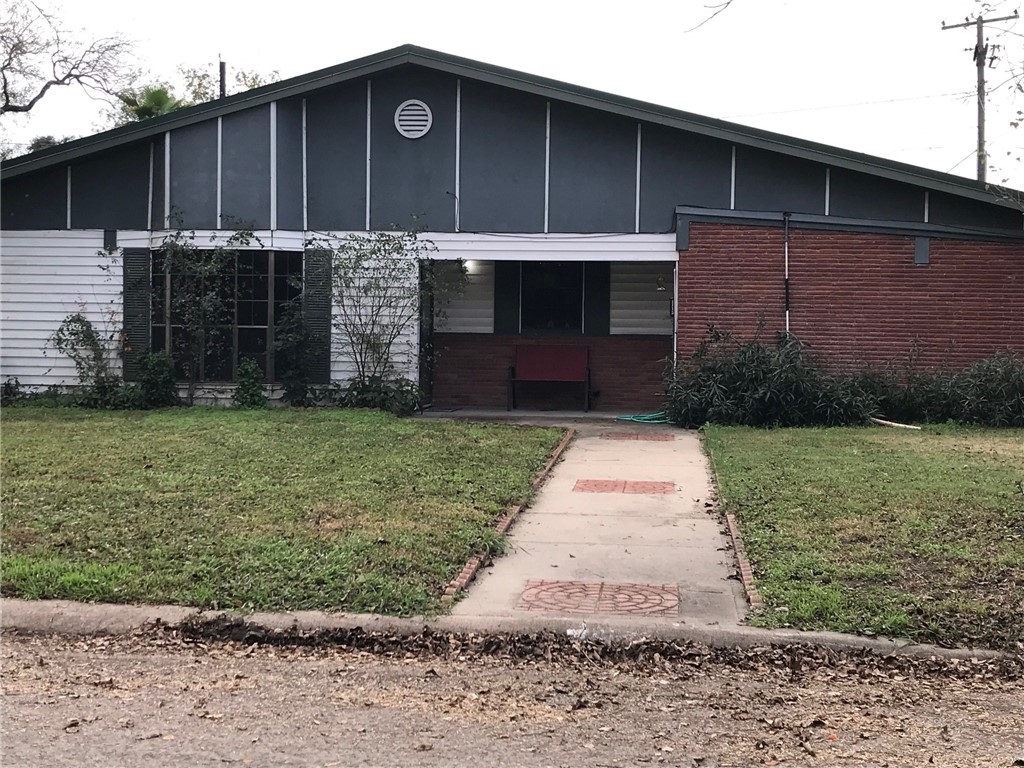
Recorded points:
607,299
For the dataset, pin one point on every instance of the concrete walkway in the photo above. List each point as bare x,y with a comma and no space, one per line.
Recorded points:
621,528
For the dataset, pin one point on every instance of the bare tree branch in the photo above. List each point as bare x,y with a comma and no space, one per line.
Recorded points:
37,53
717,9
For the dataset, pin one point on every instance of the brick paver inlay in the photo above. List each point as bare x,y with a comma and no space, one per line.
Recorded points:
600,597
624,486
649,437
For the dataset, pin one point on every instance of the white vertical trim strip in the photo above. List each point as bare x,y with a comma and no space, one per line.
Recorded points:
636,217
547,171
732,181
305,187
369,104
149,191
273,166
68,222
828,189
167,180
927,202
675,309
458,147
220,171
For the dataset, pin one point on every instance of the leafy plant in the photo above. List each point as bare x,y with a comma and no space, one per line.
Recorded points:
394,395
77,338
249,392
294,348
157,386
201,299
752,383
11,392
380,283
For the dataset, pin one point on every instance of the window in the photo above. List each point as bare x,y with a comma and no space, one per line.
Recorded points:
248,294
552,297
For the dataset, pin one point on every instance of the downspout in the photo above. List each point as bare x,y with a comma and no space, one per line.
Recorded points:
785,251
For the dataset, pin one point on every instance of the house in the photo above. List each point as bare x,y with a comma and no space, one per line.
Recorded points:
584,219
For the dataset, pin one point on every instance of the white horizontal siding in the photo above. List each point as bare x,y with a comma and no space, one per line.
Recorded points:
637,306
44,277
472,311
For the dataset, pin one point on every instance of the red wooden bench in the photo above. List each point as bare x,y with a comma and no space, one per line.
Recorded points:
550,362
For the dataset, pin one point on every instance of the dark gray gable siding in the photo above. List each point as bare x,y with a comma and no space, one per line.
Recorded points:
767,181
956,211
158,182
36,201
593,171
289,164
502,166
413,177
677,168
245,169
194,176
857,195
336,157
111,190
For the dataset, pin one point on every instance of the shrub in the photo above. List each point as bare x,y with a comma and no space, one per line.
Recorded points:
249,392
394,395
99,386
12,392
157,386
294,348
751,383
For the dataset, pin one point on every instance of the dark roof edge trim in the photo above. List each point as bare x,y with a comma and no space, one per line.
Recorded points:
540,86
686,215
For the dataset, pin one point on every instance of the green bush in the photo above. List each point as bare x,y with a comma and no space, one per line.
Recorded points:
394,395
157,386
249,391
752,383
12,392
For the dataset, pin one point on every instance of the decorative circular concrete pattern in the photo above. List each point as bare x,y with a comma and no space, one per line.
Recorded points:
600,597
649,437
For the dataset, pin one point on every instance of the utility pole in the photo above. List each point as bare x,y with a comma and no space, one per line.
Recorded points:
980,56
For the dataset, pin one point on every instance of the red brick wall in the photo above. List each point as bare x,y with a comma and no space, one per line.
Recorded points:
855,297
627,372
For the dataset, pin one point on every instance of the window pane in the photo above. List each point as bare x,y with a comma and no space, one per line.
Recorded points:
158,339
219,354
552,297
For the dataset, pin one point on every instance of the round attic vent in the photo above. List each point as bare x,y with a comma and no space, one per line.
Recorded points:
413,119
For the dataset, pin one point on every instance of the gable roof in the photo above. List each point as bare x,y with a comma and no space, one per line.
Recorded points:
540,86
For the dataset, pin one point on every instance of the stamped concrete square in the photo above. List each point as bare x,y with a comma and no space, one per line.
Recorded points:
599,486
600,597
648,486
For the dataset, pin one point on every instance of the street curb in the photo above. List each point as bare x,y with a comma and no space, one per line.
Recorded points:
746,571
476,562
65,617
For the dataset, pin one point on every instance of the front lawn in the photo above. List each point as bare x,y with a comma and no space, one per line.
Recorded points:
875,530
277,509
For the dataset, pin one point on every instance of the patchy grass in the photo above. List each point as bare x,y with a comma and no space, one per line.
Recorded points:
882,531
279,509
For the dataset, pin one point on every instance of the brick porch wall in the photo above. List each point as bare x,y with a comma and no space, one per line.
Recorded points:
626,371
856,298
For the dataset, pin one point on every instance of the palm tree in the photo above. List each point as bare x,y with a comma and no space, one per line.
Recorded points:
148,101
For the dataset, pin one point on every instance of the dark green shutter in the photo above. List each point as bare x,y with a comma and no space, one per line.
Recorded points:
506,297
136,289
597,298
316,308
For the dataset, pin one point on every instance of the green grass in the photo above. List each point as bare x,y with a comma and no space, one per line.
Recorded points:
277,509
882,531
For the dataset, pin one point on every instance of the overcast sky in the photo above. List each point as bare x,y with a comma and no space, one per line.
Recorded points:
876,76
